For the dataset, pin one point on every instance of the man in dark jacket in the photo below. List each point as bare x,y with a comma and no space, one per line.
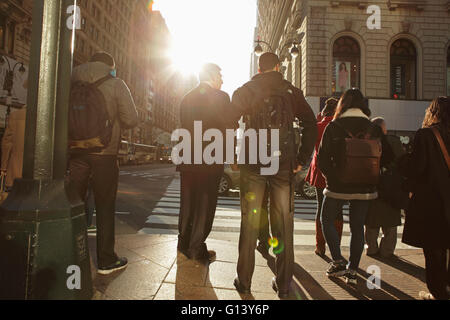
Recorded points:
102,166
381,213
280,184
200,182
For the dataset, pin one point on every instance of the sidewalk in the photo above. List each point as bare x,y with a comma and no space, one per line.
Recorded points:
157,272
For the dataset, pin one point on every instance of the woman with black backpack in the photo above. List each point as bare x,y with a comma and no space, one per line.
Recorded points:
427,222
350,156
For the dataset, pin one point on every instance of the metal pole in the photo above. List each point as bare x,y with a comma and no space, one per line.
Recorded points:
65,62
42,219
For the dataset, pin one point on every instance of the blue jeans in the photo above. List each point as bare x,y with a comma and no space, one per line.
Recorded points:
358,211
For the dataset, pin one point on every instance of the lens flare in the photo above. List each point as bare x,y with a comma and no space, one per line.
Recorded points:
273,242
250,196
278,246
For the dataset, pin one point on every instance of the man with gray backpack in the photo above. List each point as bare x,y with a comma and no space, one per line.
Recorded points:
269,102
101,106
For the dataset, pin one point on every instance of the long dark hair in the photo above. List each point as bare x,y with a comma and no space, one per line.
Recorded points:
438,113
352,98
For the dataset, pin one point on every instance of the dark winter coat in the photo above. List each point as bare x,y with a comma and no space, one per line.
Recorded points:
381,213
210,106
427,222
331,147
244,98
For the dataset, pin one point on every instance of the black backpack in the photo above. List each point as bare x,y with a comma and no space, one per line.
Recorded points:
274,110
90,127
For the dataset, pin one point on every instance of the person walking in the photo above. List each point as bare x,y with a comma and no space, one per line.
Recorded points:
200,182
427,221
316,179
267,96
349,158
94,145
382,212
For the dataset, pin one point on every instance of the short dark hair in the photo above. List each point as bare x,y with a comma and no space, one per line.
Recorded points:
209,71
104,57
268,61
352,98
330,107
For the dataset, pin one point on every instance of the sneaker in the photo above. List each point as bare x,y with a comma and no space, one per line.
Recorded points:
281,294
118,265
337,269
426,296
239,287
351,277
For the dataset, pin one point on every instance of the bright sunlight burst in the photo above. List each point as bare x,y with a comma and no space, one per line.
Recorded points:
211,31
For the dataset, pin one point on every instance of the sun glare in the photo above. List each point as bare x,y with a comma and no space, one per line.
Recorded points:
214,31
184,60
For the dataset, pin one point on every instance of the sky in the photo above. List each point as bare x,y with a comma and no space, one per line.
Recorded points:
216,31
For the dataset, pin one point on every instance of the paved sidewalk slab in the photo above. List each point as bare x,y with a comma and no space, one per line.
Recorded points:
156,271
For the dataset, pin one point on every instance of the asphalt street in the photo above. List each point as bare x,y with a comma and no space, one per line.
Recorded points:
149,199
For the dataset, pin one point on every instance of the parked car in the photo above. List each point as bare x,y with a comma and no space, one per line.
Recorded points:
302,187
230,180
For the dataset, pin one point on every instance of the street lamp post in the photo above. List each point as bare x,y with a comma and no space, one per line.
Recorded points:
259,50
43,237
294,43
9,83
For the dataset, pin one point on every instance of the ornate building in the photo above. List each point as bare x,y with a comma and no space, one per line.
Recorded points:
399,66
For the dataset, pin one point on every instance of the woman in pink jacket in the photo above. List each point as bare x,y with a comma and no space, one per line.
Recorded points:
315,177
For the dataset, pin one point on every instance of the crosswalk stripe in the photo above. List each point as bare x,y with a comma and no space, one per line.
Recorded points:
163,218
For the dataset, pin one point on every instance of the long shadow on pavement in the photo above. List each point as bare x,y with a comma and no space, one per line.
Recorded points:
296,293
404,266
362,292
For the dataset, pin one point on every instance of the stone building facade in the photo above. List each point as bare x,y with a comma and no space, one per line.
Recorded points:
400,66
135,35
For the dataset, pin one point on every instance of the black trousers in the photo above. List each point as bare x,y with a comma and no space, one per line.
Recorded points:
199,192
437,266
104,171
281,212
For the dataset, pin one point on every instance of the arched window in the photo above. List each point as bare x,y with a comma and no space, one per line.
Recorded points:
448,71
346,65
403,70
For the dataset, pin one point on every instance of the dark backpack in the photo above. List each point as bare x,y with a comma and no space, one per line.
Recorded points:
359,162
274,110
90,127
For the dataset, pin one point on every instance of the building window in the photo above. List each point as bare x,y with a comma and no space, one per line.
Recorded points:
448,71
346,65
403,70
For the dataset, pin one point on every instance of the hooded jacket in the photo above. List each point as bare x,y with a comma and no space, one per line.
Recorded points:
119,102
244,98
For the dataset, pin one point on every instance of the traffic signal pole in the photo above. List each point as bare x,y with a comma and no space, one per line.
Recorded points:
43,237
